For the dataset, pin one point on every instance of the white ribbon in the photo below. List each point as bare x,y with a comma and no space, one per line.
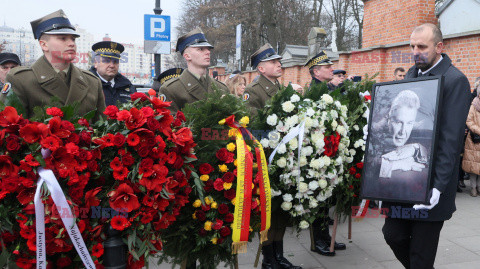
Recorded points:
47,176
299,131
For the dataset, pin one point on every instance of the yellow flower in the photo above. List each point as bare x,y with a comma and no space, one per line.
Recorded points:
222,122
208,200
223,168
250,228
255,165
207,226
214,205
258,191
235,162
249,148
253,186
227,185
194,216
233,201
204,177
231,147
197,203
232,132
244,121
214,240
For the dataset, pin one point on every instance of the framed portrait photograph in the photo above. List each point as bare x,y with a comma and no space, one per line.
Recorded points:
401,141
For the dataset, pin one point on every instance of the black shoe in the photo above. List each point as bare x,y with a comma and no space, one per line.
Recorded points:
323,248
269,261
461,183
281,260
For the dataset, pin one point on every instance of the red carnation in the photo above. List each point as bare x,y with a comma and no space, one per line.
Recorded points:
217,224
182,136
218,185
225,156
123,198
128,160
331,144
352,170
97,250
360,165
119,223
205,169
228,218
54,111
223,209
180,116
229,194
111,112
139,95
358,176
123,115
121,175
83,122
133,139
116,164
228,177
147,111
225,231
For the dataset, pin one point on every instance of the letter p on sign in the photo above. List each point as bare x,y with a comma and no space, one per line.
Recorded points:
157,27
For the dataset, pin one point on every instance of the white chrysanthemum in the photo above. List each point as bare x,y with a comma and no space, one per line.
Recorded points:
341,130
333,114
327,99
302,187
334,124
338,104
307,151
282,162
326,160
264,142
309,123
294,98
291,121
341,147
356,128
272,120
339,161
295,172
317,163
303,225
349,159
352,152
310,112
357,144
313,185
303,161
282,148
293,144
286,206
288,107
322,183
272,144
312,203
287,197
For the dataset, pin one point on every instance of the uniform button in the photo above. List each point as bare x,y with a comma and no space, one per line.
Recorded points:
267,88
189,84
42,77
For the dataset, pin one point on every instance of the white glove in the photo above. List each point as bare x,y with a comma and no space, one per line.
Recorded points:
433,201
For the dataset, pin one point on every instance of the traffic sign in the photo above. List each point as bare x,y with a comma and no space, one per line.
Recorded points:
157,27
157,47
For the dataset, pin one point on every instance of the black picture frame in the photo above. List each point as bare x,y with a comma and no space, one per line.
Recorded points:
402,140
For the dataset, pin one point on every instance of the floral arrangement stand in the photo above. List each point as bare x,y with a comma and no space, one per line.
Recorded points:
115,250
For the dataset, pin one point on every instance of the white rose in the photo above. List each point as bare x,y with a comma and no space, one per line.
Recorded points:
326,160
327,99
281,149
338,104
334,125
293,144
286,206
321,197
356,128
282,162
307,151
333,114
272,120
294,98
310,112
339,161
316,164
287,197
272,144
302,187
313,185
288,107
352,152
322,183
308,123
313,203
264,142
341,130
303,161
303,225
274,136
291,121
299,209
349,159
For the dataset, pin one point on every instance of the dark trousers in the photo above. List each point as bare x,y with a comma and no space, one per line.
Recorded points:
279,223
414,243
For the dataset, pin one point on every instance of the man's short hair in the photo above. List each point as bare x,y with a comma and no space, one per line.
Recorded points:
398,69
437,33
406,98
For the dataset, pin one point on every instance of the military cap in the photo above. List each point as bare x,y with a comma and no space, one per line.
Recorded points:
55,23
194,38
108,49
319,59
339,71
169,74
263,54
6,57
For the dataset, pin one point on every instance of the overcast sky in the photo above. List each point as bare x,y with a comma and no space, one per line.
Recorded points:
121,19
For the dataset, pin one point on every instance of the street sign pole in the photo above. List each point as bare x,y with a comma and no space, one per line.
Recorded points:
157,57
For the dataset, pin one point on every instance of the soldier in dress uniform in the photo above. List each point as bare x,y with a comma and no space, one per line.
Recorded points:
165,76
267,63
53,74
8,61
257,93
321,70
194,82
116,87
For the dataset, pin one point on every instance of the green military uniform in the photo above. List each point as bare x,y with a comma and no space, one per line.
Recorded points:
36,85
187,89
259,92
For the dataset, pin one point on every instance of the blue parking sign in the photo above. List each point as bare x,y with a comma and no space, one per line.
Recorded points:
157,27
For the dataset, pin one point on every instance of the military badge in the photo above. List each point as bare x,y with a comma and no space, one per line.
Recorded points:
6,88
246,96
162,97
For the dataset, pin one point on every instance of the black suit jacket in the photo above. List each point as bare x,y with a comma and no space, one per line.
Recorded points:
452,117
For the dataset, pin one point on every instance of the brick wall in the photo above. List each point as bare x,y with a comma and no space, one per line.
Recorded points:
392,21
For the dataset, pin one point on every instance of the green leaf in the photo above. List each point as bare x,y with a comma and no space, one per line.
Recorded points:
4,258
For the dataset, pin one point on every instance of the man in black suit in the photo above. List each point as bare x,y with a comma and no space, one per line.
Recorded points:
414,241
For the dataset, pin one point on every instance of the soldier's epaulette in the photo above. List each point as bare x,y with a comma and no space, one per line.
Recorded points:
223,84
170,81
19,69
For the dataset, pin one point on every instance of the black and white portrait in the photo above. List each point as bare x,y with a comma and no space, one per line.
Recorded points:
401,141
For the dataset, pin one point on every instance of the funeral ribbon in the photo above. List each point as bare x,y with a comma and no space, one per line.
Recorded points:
47,177
241,222
299,131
